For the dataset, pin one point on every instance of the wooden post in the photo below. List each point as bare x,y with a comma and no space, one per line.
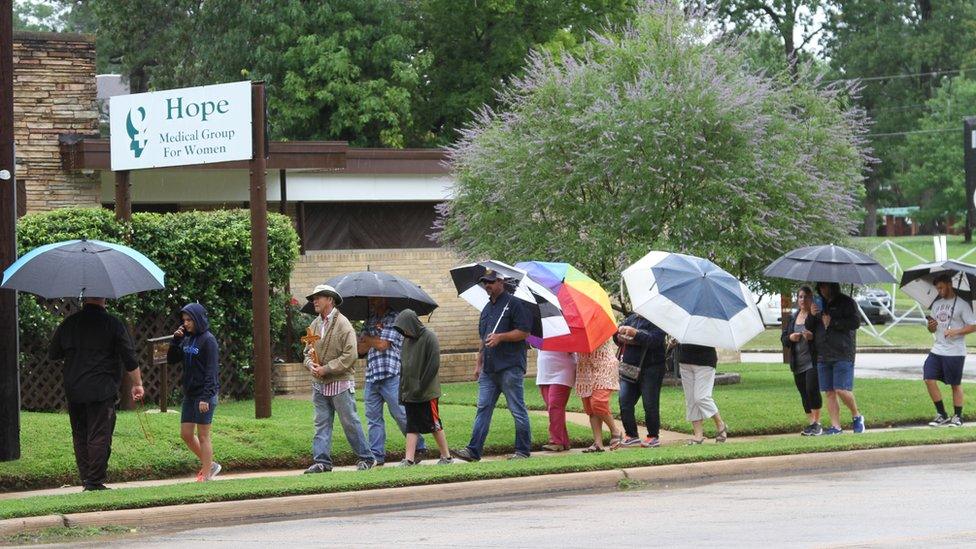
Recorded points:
283,209
123,197
9,344
785,308
259,258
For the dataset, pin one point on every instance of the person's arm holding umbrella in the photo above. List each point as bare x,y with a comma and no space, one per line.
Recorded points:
846,320
127,352
521,326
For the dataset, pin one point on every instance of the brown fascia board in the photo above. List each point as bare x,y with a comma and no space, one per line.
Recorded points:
87,153
79,152
34,36
393,161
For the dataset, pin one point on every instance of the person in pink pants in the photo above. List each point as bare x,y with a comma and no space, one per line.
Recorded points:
555,376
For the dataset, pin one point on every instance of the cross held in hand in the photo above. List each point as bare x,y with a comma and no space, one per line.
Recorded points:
309,340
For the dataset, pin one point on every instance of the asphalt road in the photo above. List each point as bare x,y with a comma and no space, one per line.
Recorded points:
878,365
905,506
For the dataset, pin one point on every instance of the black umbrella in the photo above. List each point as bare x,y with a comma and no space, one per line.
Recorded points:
828,264
547,315
918,281
356,289
76,268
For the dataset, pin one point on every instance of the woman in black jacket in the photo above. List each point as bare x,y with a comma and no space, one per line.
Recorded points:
798,335
196,347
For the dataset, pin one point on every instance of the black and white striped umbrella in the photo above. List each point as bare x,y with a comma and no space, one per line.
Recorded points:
918,283
547,314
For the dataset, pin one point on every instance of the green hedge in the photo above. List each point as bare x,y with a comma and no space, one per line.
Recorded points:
206,257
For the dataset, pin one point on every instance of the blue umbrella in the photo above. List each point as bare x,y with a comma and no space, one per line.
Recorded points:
77,268
693,300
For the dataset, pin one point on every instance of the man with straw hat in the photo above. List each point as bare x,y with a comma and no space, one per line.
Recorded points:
330,356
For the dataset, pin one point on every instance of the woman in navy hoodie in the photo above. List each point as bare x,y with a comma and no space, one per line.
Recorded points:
196,348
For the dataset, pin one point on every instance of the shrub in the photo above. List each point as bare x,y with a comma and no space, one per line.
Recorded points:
206,257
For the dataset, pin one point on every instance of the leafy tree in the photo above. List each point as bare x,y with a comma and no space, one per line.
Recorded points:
934,178
344,69
654,138
35,15
475,45
901,49
786,19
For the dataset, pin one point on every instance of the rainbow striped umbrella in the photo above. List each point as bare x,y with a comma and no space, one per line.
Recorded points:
585,304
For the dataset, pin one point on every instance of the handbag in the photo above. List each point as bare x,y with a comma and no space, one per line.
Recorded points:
630,372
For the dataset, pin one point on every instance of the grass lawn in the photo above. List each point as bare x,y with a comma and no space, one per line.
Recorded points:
224,490
906,336
240,442
765,402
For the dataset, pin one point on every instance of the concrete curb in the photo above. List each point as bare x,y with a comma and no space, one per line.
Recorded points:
319,505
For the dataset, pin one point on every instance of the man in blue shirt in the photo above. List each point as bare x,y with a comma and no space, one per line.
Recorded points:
504,324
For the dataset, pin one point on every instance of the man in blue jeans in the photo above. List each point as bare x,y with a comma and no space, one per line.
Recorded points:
836,337
381,344
504,324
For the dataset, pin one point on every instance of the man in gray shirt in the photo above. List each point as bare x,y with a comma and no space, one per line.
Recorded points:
951,319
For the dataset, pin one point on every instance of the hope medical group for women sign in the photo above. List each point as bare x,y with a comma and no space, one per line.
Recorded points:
180,127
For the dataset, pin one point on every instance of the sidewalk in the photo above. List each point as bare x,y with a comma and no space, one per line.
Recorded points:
668,438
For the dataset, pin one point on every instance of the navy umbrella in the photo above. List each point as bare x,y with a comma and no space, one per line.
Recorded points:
918,281
828,264
356,289
83,268
693,300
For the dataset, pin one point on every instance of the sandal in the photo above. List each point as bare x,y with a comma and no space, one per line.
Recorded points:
723,434
616,441
554,447
593,449
694,441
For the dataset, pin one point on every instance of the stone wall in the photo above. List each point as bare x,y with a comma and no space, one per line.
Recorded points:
454,321
54,93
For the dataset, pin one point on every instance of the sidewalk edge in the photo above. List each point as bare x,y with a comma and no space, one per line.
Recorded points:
321,505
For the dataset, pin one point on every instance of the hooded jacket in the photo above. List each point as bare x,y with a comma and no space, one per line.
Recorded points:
420,359
199,354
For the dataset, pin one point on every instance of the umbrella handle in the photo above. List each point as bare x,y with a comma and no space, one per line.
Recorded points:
497,322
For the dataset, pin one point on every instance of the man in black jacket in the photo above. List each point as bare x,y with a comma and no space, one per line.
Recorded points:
836,336
95,347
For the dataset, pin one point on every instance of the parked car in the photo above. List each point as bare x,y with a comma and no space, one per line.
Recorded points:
769,310
876,304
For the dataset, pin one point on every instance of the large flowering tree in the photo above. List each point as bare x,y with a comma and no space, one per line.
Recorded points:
655,138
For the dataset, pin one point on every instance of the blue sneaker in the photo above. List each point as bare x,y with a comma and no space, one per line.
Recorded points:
832,431
859,424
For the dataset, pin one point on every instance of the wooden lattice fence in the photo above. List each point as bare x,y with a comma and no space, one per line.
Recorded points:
41,381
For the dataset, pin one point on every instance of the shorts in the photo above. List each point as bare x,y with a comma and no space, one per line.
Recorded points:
191,411
836,375
947,369
423,417
598,404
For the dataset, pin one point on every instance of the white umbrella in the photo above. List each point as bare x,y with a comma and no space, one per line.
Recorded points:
693,300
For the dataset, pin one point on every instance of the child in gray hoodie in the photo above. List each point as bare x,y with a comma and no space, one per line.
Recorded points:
419,385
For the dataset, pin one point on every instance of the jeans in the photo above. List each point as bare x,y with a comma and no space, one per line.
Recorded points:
647,388
92,426
556,397
326,408
375,394
490,386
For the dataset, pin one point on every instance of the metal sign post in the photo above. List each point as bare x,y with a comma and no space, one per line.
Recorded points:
969,160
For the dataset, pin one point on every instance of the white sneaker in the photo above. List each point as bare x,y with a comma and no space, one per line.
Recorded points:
214,470
940,421
955,421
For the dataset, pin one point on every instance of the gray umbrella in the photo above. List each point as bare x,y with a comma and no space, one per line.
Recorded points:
76,268
356,289
828,264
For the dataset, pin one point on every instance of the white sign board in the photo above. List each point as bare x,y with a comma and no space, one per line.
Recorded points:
179,127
